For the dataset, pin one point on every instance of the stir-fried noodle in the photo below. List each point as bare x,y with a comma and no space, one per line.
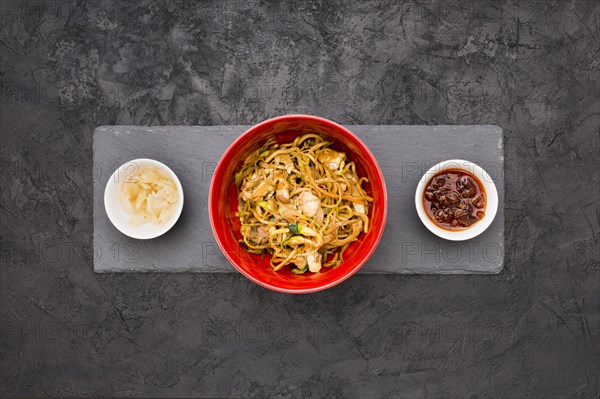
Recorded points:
302,202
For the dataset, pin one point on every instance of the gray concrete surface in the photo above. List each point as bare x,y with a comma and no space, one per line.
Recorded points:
404,153
530,67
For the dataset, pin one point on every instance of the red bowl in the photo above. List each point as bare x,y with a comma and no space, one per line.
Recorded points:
223,203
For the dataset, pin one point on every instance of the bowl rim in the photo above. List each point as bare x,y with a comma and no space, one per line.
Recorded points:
174,217
231,148
491,194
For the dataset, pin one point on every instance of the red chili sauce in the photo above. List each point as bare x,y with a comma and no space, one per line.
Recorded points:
454,199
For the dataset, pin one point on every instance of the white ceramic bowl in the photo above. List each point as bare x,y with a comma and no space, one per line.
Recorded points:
119,216
491,197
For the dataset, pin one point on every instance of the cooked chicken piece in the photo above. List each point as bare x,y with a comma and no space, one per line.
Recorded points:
263,188
259,235
283,191
249,186
288,212
314,261
320,216
285,159
308,203
331,158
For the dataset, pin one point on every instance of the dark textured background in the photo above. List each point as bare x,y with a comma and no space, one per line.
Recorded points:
530,67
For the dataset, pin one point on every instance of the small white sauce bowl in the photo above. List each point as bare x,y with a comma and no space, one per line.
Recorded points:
119,217
491,199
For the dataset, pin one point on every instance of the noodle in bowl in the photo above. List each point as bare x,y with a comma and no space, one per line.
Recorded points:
297,204
300,202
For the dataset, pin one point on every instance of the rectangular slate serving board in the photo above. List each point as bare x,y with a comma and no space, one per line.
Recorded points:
404,153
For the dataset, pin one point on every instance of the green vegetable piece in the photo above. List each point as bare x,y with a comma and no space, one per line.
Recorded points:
295,270
238,177
285,242
293,228
265,205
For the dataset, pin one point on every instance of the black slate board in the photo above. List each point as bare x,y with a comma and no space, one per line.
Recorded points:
403,152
